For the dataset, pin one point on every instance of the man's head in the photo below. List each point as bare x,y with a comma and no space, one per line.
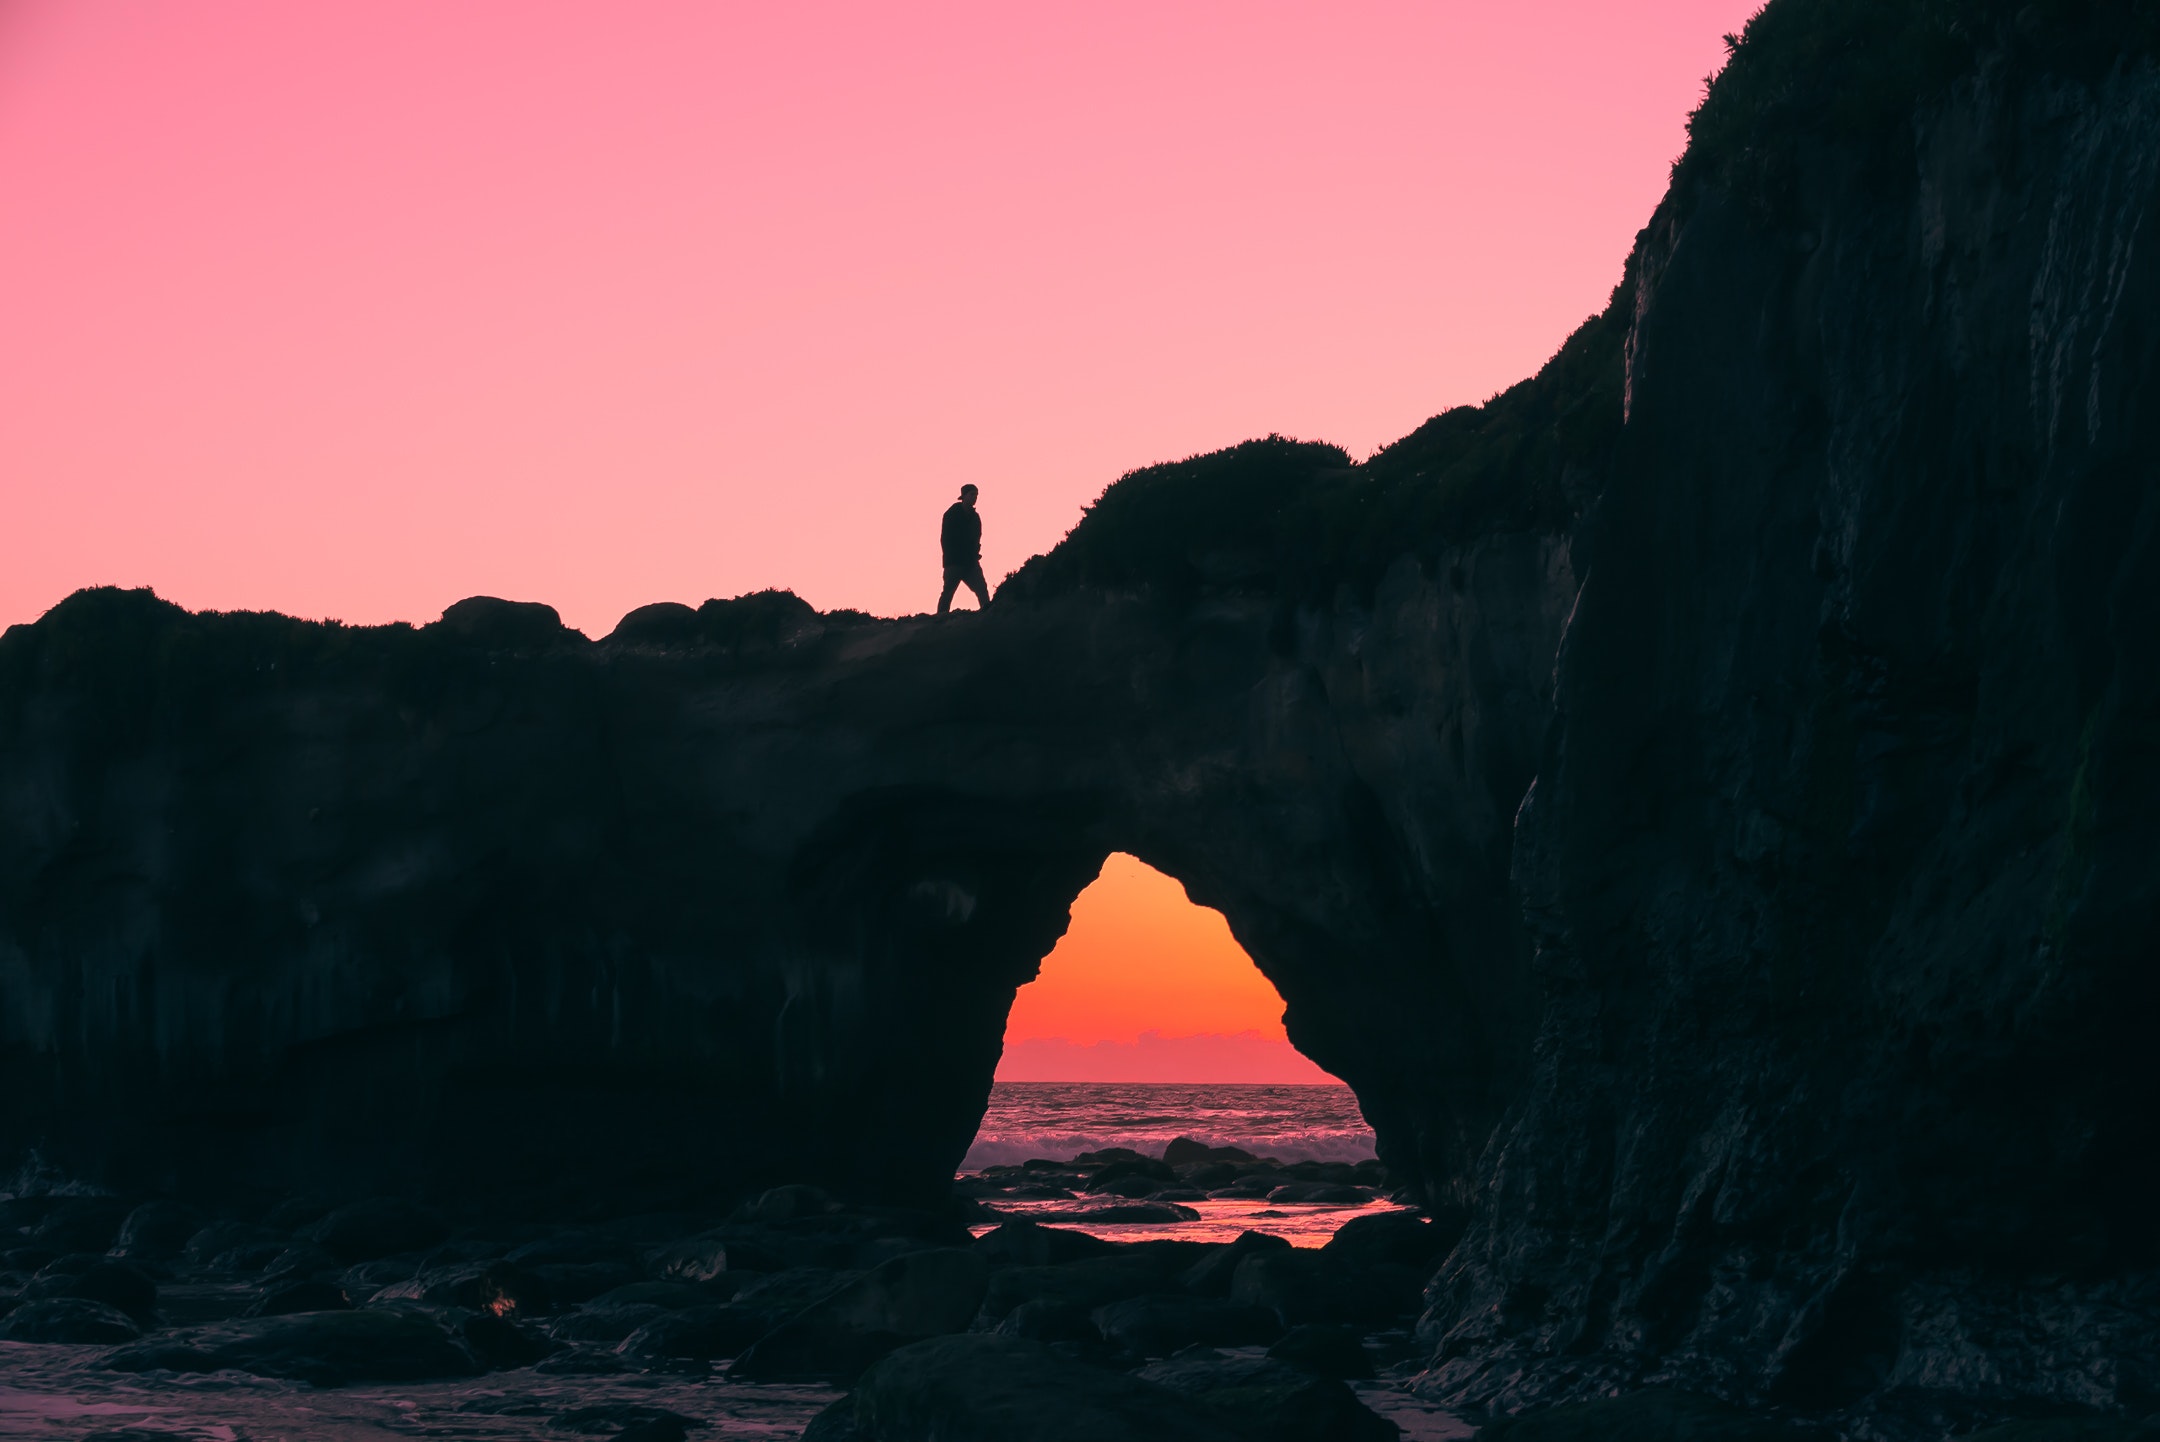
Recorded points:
968,494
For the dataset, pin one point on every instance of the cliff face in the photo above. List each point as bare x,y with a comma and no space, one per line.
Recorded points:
1756,938
487,908
1840,862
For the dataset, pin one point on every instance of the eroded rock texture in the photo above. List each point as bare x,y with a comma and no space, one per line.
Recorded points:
490,907
1731,878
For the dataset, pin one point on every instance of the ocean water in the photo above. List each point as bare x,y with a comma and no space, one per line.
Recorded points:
1060,1120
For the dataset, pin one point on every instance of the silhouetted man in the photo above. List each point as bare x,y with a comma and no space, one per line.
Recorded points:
961,538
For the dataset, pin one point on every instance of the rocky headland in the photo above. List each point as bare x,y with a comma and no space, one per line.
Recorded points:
1702,801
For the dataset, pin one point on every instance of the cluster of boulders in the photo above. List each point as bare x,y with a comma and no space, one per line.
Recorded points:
1157,1189
929,1325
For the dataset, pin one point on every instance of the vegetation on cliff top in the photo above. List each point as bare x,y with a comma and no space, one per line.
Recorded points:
1298,518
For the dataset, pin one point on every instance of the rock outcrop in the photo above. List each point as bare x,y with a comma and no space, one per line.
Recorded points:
1717,847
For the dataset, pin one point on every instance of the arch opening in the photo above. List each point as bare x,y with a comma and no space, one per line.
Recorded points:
1149,1032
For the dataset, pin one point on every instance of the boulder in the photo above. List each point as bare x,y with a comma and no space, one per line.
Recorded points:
1049,1322
499,1287
1156,1326
1264,1400
116,1284
984,1388
204,1246
1210,1276
76,1320
324,1349
380,1226
307,1294
700,1334
80,1224
698,1260
663,623
921,1294
1398,1238
1656,1415
1325,1349
1327,1193
595,1323
499,1342
157,1231
673,1296
1022,1243
1303,1286
1184,1152
1144,1168
304,1260
1087,1284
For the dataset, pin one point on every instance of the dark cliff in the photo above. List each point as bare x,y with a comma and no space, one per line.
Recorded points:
1701,800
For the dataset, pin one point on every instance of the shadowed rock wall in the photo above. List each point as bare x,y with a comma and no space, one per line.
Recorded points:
490,906
1786,1038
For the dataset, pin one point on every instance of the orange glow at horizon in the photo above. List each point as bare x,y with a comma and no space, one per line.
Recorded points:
1139,957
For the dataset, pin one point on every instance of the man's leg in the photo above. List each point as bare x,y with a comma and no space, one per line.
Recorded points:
981,588
944,600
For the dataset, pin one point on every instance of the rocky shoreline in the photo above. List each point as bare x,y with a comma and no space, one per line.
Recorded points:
925,1317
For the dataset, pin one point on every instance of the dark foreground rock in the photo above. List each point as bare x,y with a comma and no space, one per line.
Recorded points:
68,1320
325,1349
1656,1415
922,1294
999,1389
1156,1326
1264,1400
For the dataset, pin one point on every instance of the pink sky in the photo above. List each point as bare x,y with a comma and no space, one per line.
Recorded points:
354,307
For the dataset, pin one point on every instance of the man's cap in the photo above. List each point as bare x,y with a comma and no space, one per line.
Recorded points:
970,490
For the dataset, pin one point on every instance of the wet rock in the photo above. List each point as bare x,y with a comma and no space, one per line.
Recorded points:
19,1216
375,1228
304,1260
1657,1415
1331,1193
26,1259
673,1296
307,1294
1134,1187
1325,1349
499,1287
250,1259
157,1231
1156,1326
324,1349
922,1294
1210,1276
367,1278
1145,1169
1312,1287
699,1334
293,1213
207,1244
80,1224
619,1420
1397,1238
1124,1212
698,1260
1269,1401
1184,1151
595,1323
499,1343
984,1388
71,1320
117,1284
1022,1243
1086,1284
